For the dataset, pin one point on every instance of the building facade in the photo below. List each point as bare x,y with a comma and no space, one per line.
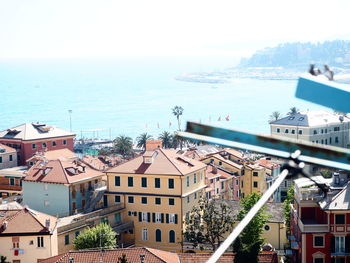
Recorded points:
159,189
29,138
11,181
8,157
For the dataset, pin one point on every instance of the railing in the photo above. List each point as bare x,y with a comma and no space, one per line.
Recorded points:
312,228
121,227
309,194
10,187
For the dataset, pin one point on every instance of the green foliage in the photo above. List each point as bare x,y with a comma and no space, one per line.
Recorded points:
123,259
293,111
142,140
104,152
208,222
275,116
101,235
123,145
166,138
177,111
3,259
286,207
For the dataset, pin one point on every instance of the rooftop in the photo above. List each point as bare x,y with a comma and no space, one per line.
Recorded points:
6,149
311,119
61,172
165,161
61,154
33,131
340,201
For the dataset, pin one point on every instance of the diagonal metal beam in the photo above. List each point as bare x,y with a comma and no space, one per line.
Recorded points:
324,92
276,146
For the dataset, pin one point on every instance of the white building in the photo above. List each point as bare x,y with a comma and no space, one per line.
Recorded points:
320,127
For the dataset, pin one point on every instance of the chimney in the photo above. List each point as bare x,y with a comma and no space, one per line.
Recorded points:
142,258
47,223
214,170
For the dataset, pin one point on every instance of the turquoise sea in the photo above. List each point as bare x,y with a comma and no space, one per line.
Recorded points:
131,95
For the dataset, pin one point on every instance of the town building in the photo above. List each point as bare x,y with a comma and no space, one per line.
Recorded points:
62,187
8,157
29,138
320,223
319,127
11,181
201,151
221,184
159,189
26,235
61,154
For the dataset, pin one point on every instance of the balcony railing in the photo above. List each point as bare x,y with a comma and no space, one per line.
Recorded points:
312,228
10,187
309,194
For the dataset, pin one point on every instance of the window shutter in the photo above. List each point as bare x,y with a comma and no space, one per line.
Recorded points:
175,218
167,218
333,244
347,244
162,217
149,217
153,217
140,217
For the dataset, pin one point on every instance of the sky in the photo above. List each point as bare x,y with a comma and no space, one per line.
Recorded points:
85,28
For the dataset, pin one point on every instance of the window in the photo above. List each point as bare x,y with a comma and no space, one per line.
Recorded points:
242,172
33,146
318,241
278,130
117,218
255,184
286,131
330,140
255,174
77,233
104,220
220,162
318,260
143,182
0,159
267,227
211,160
117,181
64,142
188,199
171,183
336,128
242,184
195,196
336,140
144,200
291,118
315,132
66,239
301,118
293,131
158,235
130,199
53,143
171,236
12,181
222,185
157,182
145,234
40,241
322,141
157,201
339,244
10,158
187,181
44,145
171,201
195,178
340,219
117,199
217,179
158,217
211,181
321,131
145,217
300,132
130,181
172,219
237,182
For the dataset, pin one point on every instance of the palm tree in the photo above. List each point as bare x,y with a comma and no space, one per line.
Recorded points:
275,116
123,145
177,111
293,111
166,139
3,259
142,140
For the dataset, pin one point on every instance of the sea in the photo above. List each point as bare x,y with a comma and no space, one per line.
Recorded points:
116,96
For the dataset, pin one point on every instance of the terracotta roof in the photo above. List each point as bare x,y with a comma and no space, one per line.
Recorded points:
165,161
61,172
7,149
61,154
264,257
213,172
235,153
25,220
229,162
268,164
94,162
33,131
112,255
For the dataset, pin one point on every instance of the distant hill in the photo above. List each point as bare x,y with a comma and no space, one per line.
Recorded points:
299,55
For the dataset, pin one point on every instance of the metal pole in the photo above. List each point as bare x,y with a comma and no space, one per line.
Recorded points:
239,228
70,119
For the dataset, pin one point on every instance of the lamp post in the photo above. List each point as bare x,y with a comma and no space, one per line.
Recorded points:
70,119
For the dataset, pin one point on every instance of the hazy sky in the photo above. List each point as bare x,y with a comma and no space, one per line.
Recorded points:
64,28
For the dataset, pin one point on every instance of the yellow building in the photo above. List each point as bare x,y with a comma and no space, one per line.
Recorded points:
26,235
158,189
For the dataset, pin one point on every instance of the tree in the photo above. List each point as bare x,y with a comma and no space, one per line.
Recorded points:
208,222
101,235
286,206
123,145
123,259
251,235
105,151
166,139
3,259
293,111
177,111
142,140
275,116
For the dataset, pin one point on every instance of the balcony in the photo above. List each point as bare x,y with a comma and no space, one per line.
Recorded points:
120,228
10,187
308,194
312,227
